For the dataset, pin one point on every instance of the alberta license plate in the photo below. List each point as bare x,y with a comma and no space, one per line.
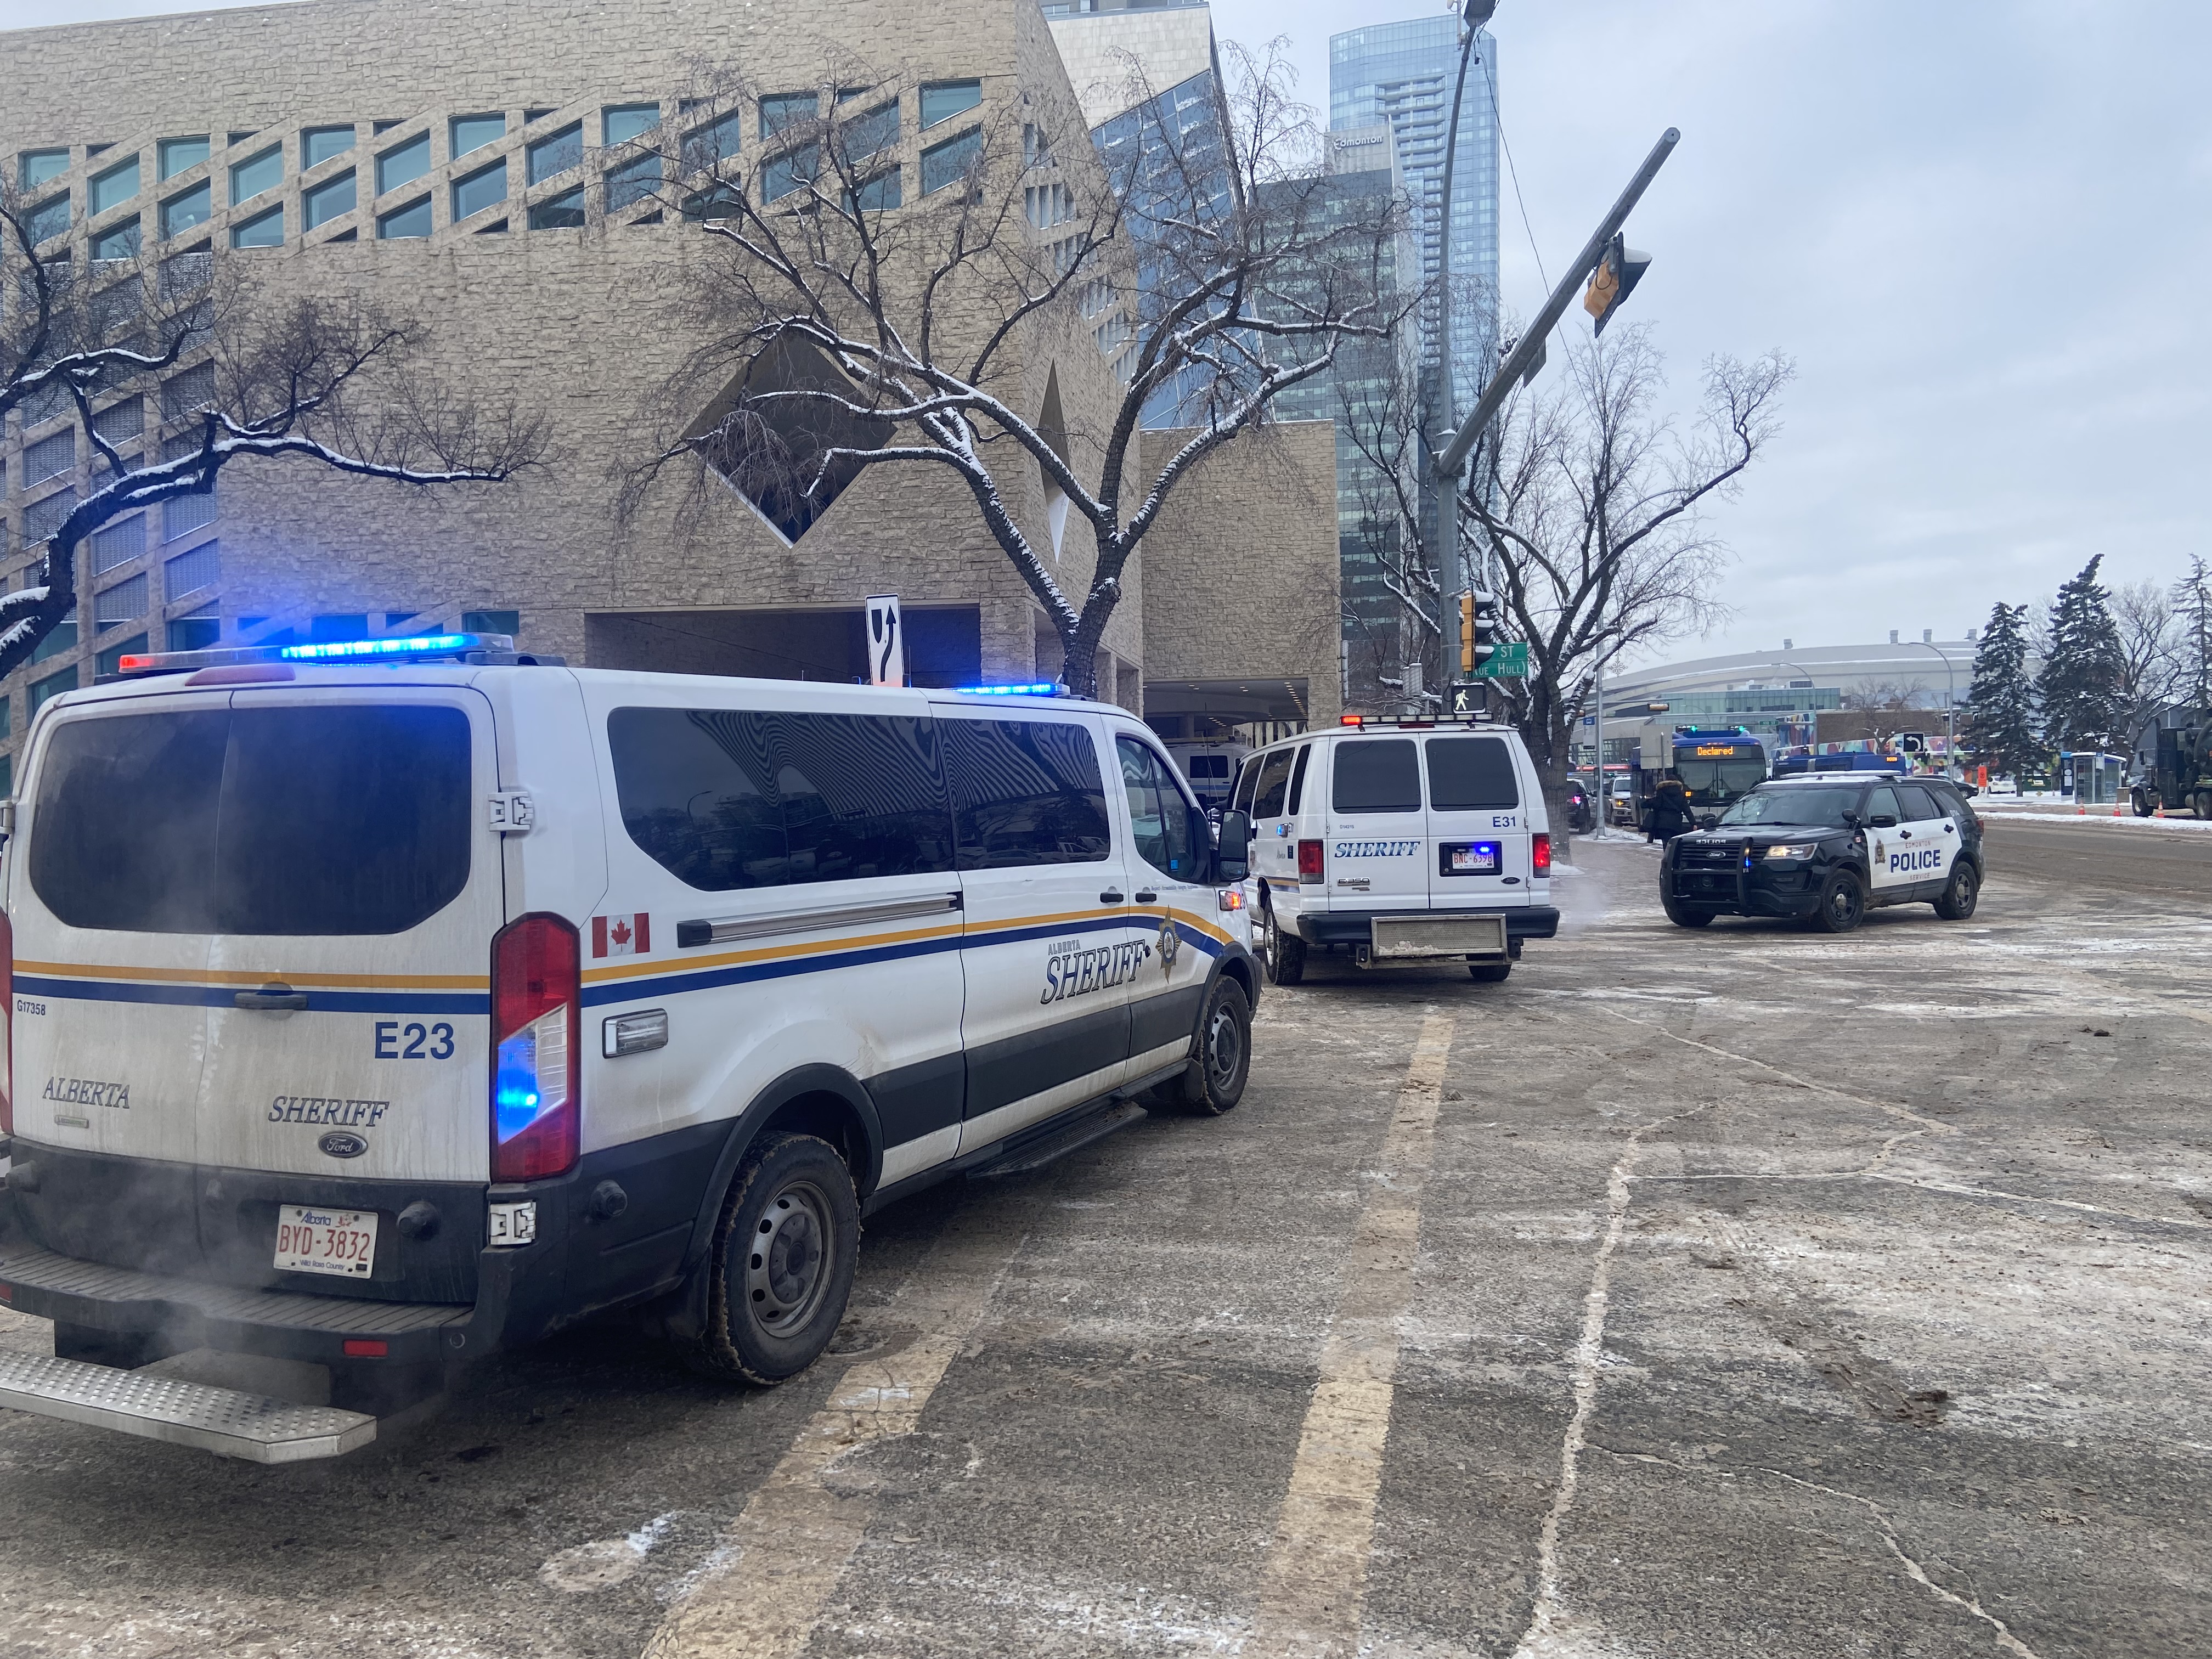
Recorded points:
312,1241
1479,860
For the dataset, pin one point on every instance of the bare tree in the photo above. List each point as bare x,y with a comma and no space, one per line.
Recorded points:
1588,506
239,374
1381,412
2153,666
847,328
1883,709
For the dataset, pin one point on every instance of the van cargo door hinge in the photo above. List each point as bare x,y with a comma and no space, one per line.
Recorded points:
512,814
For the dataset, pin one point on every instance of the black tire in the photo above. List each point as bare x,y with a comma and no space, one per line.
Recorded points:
1489,973
2141,802
1842,904
1285,953
781,1266
1221,1058
1961,894
1684,916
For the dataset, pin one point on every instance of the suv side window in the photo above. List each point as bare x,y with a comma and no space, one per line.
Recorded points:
1950,803
1882,803
1920,804
1159,816
1274,785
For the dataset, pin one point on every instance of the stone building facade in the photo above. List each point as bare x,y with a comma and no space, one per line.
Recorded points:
455,161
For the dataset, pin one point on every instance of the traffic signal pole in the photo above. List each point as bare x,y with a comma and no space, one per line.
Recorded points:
1528,352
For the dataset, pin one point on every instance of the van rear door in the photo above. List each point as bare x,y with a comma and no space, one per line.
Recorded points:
1479,827
1377,852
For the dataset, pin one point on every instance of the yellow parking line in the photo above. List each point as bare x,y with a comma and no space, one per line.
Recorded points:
1315,1586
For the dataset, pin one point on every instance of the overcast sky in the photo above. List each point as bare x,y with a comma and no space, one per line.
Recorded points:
1982,229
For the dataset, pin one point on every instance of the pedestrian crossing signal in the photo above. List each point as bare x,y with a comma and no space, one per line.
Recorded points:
1614,280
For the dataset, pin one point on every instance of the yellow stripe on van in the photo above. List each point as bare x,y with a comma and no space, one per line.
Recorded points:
258,978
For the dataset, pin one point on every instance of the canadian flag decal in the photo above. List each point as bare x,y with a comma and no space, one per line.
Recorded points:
622,936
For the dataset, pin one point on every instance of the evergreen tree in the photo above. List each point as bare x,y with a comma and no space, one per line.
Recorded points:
2193,600
2081,688
2001,702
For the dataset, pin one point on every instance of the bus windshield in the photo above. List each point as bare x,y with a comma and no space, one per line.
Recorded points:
1718,782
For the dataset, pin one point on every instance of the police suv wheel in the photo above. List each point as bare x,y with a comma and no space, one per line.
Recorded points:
1285,952
1682,916
1489,973
1961,895
782,1263
1842,904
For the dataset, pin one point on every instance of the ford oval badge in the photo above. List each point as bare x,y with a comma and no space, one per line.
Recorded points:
343,1143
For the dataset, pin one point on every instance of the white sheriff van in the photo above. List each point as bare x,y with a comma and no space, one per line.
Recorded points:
1402,843
381,1005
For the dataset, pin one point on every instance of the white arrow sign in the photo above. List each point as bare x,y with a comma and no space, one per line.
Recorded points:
887,644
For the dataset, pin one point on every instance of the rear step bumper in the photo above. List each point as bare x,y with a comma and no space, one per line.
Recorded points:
1357,926
189,1314
220,1421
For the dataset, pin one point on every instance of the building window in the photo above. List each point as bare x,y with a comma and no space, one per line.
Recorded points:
180,213
403,166
327,201
117,241
401,223
485,187
38,167
182,515
189,571
1036,148
716,201
263,230
550,157
319,144
620,123
197,632
872,131
45,690
113,188
948,163
784,109
790,172
562,212
48,220
110,661
117,545
124,602
250,177
473,132
632,182
63,638
50,457
707,148
188,393
123,422
878,195
175,155
943,99
44,516
508,622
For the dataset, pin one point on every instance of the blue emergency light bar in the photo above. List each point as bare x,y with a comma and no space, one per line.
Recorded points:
1040,689
417,647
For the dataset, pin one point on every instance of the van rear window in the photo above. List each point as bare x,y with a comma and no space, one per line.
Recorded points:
321,820
1377,775
1467,774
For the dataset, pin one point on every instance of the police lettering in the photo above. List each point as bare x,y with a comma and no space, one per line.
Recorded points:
1923,858
85,1091
1376,849
328,1113
1077,973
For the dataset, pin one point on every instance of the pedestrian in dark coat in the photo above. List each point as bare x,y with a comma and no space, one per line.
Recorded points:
1670,815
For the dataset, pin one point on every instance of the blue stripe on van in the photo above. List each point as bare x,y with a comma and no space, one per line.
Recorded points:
224,996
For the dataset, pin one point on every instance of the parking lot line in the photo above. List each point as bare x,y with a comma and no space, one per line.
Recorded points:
778,1563
1314,1589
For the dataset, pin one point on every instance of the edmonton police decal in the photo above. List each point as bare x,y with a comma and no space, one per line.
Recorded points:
1072,970
1916,859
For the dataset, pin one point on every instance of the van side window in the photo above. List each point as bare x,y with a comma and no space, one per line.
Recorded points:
1026,792
1274,786
1159,816
1247,781
1298,778
1471,774
724,798
1377,775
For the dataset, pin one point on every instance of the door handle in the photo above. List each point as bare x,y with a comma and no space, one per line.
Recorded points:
1904,834
1148,898
271,999
1109,897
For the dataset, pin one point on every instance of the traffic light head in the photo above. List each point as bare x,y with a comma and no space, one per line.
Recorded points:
1466,633
1614,280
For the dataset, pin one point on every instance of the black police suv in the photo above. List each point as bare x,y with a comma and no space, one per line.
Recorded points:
1823,848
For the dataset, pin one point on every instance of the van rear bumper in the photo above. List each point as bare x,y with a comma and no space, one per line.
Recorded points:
1357,926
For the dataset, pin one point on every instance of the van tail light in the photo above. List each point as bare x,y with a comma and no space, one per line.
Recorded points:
7,1025
536,972
1539,856
1309,860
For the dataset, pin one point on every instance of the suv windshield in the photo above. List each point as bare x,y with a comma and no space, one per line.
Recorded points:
1817,805
318,819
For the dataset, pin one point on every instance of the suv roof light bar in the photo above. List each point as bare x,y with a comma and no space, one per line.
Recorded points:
411,647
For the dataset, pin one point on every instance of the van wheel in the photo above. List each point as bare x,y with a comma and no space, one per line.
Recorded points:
1220,1062
1842,904
1963,893
1285,952
781,1266
1489,973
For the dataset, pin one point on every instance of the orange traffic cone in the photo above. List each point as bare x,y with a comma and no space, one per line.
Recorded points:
2081,811
2116,810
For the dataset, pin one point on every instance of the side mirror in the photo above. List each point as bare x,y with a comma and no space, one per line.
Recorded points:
1234,860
